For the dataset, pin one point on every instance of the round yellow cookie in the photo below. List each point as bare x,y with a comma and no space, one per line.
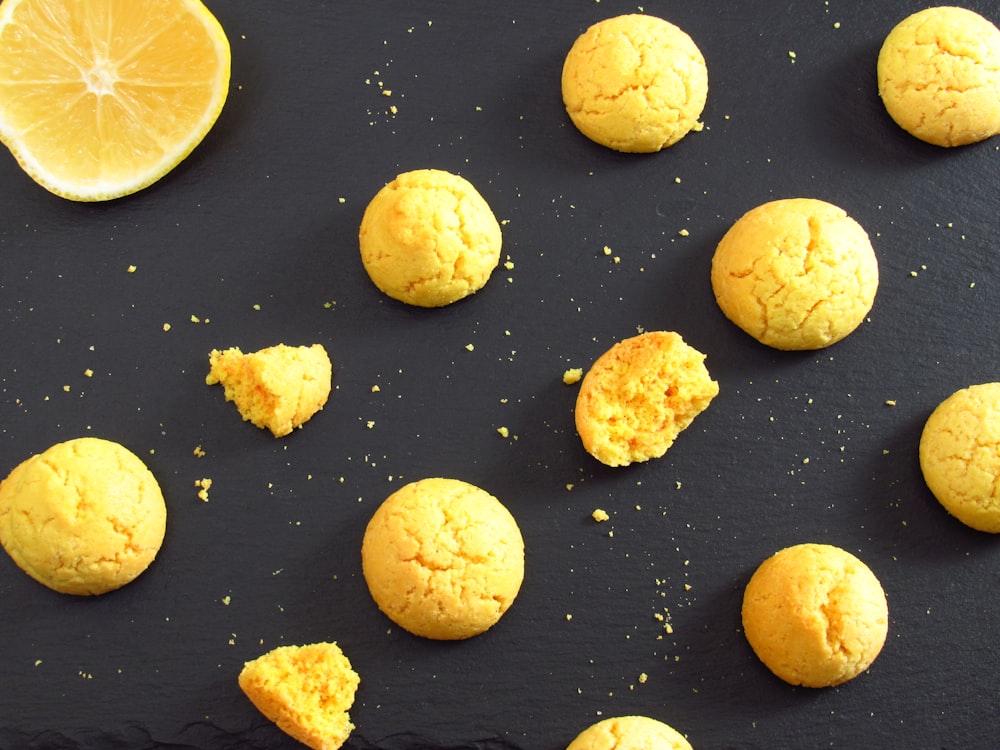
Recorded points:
307,691
83,517
815,615
939,76
428,238
443,559
634,83
629,733
639,395
960,455
795,273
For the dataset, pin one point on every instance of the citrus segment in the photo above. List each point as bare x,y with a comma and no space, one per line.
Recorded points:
100,99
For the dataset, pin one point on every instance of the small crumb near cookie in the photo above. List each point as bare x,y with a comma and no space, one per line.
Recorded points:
572,375
203,485
307,691
279,388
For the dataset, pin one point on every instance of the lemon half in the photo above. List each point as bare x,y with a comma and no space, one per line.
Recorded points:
99,99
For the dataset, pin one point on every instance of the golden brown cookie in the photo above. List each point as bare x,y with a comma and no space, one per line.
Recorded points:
428,238
83,517
629,733
795,273
443,559
960,455
939,76
279,388
639,395
815,615
306,690
635,83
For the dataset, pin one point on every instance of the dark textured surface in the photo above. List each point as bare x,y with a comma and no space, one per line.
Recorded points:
797,447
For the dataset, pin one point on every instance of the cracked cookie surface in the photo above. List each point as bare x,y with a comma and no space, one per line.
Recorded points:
960,455
939,76
428,238
795,273
443,558
629,733
84,517
634,83
815,615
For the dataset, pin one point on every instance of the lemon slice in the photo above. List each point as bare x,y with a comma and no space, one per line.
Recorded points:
101,98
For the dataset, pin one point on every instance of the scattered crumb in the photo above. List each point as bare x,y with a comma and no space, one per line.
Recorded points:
600,515
642,678
890,402
226,599
470,347
569,617
375,389
572,375
88,373
684,233
203,486
131,269
199,451
504,432
166,326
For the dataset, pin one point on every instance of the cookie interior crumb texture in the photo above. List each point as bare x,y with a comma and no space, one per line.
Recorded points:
639,395
939,76
306,690
629,733
85,516
634,83
443,559
428,238
278,388
960,455
815,615
795,273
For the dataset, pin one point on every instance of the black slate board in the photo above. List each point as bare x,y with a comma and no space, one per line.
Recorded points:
797,447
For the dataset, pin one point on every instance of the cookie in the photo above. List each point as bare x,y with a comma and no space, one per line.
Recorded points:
278,388
795,273
306,690
634,83
638,396
960,455
939,76
815,615
443,559
429,239
629,733
83,517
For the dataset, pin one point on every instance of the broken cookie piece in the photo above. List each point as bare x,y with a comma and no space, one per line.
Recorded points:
278,388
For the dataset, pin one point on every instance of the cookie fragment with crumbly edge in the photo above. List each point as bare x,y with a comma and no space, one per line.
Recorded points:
938,74
959,455
307,691
638,396
279,388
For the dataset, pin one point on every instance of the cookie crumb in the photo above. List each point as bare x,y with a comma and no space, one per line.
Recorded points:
203,486
600,515
573,375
